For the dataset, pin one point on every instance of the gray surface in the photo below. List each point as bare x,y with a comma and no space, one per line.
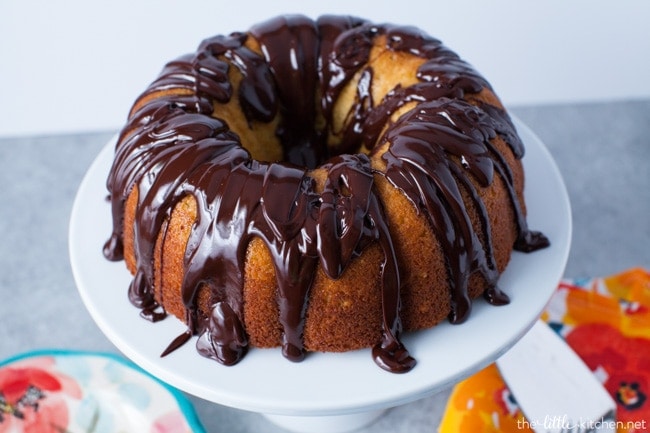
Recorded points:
602,150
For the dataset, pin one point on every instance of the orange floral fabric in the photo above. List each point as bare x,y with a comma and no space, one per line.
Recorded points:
607,323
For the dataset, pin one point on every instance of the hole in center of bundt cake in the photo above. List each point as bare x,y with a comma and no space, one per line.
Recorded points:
303,141
295,140
302,146
305,144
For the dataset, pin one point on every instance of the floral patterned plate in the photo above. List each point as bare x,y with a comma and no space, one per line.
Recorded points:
58,391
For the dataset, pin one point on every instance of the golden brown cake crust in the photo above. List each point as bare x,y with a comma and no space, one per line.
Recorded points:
385,104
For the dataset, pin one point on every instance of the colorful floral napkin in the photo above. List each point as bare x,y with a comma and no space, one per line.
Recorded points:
607,322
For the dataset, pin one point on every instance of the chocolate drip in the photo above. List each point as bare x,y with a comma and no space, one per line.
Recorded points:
174,146
431,149
290,46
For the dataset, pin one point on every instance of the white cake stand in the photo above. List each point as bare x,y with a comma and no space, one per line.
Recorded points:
326,392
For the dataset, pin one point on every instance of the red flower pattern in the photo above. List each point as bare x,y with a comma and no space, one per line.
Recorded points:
33,397
605,349
607,322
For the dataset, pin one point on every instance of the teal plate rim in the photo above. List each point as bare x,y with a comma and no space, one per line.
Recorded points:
184,404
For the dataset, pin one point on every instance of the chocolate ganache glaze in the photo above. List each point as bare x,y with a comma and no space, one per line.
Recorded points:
175,146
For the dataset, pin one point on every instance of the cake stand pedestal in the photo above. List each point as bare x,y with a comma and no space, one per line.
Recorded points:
326,392
326,424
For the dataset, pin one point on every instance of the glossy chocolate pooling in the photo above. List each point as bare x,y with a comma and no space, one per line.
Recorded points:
175,146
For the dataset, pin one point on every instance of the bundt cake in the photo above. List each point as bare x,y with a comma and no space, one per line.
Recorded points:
316,185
